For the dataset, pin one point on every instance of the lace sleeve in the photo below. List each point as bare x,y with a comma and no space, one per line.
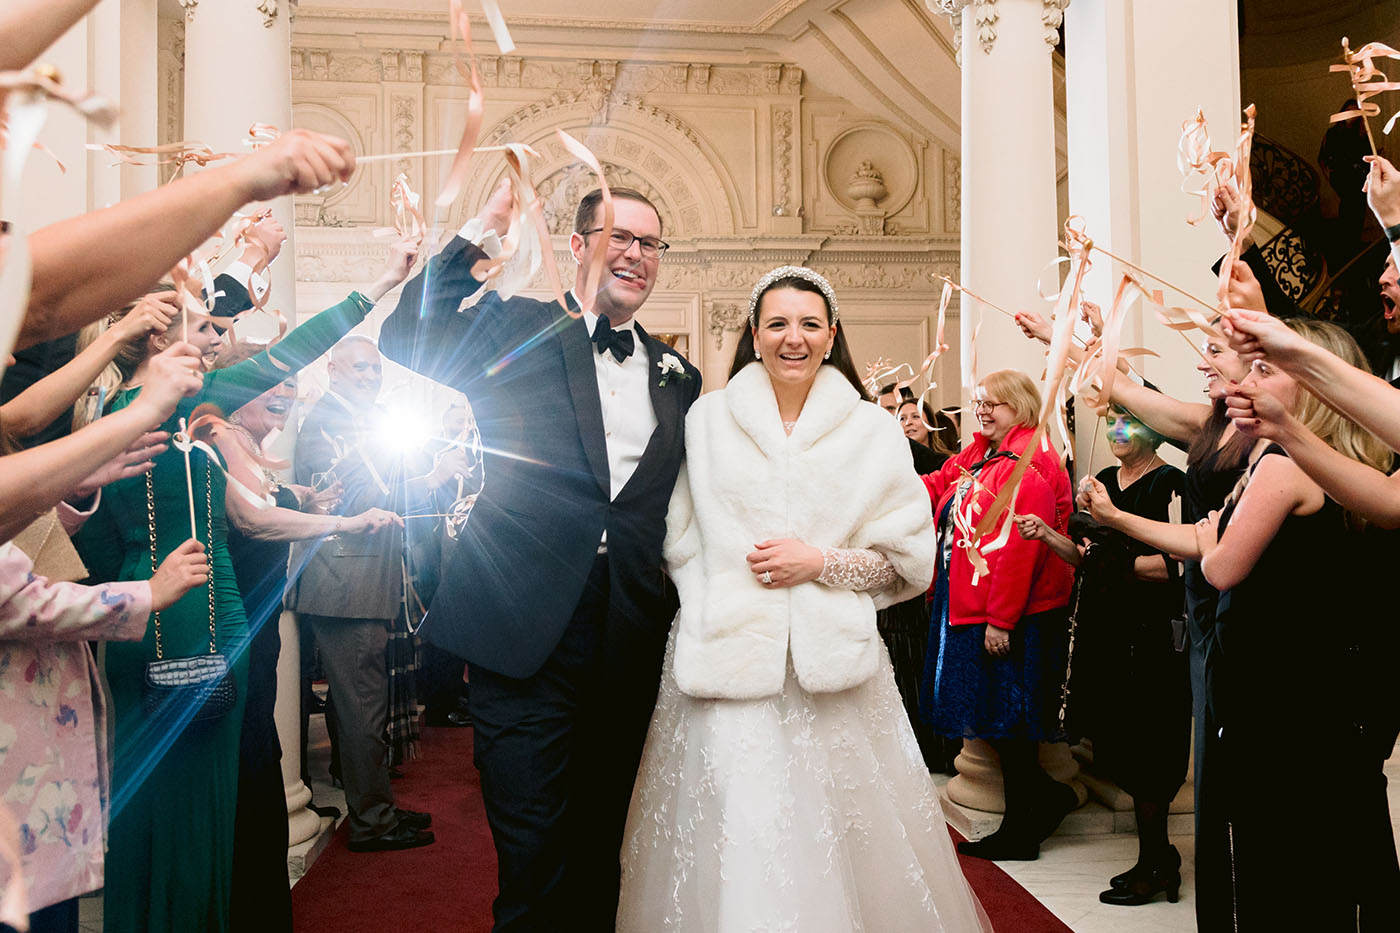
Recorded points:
855,568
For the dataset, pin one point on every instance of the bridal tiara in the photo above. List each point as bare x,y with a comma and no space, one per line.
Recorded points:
791,272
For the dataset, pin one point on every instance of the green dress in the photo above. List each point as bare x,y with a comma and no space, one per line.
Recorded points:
174,784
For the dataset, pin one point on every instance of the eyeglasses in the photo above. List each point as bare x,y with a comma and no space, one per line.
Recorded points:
981,405
621,240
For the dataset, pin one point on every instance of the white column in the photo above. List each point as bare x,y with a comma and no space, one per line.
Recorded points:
1008,173
302,824
238,71
1128,89
1009,234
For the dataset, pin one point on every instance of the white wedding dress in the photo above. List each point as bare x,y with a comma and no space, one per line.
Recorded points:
801,812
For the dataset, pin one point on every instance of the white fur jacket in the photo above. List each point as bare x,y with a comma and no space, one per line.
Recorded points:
843,479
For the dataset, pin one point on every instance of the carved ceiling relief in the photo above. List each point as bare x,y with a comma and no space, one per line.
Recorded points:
562,191
657,152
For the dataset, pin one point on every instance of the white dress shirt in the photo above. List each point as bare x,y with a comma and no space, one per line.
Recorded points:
243,275
628,416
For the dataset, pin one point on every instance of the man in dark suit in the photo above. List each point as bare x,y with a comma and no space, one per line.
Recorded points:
554,593
349,587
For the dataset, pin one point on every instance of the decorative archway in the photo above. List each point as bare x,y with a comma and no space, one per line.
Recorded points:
640,146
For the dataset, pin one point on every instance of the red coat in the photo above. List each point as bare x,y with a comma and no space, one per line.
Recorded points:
1024,577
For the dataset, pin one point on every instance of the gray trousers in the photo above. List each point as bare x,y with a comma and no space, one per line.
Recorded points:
352,655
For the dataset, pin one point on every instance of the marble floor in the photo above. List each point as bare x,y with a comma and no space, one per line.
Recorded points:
1073,869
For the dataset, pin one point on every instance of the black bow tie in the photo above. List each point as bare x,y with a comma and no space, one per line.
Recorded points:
619,342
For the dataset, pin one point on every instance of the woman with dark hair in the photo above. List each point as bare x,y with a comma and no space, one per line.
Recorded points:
781,785
997,642
912,419
1129,688
943,436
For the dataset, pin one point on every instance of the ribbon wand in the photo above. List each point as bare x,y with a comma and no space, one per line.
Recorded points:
182,441
1360,98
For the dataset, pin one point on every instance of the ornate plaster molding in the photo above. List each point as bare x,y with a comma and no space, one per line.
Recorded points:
985,16
189,7
386,63
782,162
1052,14
759,26
655,144
725,317
952,191
268,8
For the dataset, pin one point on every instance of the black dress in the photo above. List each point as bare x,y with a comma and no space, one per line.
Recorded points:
1130,688
904,628
261,895
1287,660
1208,483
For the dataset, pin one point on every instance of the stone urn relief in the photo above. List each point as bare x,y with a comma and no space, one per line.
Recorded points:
867,186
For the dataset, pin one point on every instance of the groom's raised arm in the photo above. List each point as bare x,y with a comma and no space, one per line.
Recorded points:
426,332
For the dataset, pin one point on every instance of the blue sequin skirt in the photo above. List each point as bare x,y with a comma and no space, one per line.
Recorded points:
970,694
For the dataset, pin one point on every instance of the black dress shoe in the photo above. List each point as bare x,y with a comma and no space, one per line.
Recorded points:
329,812
1002,846
1143,882
457,717
413,818
400,837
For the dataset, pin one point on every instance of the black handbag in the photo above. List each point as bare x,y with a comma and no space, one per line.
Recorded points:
198,688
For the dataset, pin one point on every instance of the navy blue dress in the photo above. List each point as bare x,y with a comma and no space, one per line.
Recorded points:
969,694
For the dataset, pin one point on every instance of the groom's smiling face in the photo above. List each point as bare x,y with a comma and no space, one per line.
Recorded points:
628,274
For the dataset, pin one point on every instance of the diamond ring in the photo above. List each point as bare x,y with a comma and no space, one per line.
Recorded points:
766,577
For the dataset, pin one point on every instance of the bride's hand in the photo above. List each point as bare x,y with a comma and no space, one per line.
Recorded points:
786,562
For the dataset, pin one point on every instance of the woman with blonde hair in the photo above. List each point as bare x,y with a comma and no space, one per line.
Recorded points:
1290,664
997,644
1283,664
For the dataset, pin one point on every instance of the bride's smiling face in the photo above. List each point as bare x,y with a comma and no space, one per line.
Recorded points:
793,334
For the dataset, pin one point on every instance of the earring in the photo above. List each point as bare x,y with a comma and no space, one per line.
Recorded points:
756,356
828,355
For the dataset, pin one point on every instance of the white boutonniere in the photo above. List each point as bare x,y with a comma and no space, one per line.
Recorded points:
670,365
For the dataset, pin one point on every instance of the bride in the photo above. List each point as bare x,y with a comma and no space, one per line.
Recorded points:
782,787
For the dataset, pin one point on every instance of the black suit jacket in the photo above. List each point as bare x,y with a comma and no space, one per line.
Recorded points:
512,582
235,298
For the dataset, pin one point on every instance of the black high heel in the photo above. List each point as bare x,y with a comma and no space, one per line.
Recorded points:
1143,883
1118,882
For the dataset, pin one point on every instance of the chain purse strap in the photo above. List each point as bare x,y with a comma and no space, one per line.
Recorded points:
209,540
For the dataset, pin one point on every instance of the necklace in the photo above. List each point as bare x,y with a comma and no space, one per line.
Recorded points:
788,426
1125,480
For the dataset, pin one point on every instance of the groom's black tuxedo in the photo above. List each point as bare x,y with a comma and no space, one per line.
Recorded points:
515,576
564,644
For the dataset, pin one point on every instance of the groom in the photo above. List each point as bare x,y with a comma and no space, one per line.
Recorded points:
555,592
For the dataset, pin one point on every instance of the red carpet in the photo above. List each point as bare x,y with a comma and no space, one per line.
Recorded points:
449,885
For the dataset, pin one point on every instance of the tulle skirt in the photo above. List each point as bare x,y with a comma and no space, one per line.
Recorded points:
802,812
